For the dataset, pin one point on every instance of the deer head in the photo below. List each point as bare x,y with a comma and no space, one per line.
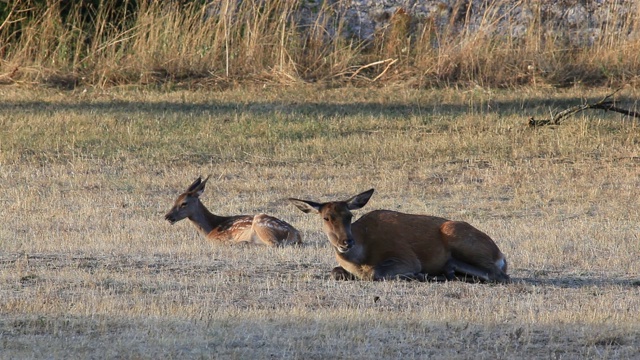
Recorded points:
187,203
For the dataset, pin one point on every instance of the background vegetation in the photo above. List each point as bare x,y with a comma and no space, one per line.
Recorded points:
190,43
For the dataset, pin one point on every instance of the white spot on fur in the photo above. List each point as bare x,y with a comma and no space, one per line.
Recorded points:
273,223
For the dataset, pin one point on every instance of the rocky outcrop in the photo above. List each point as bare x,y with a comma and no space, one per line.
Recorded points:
580,22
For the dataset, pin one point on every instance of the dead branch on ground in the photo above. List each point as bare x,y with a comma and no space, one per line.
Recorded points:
605,104
355,74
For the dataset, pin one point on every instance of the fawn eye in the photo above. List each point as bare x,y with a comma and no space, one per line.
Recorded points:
326,219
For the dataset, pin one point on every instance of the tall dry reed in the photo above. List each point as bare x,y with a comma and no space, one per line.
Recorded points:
149,42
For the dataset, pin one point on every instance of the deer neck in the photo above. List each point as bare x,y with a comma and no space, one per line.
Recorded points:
204,220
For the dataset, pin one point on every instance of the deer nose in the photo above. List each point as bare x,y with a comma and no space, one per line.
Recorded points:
345,246
350,242
169,218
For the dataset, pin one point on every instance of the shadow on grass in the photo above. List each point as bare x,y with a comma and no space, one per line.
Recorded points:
163,264
536,107
572,281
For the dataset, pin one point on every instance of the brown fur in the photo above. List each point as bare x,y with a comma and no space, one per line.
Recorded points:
385,244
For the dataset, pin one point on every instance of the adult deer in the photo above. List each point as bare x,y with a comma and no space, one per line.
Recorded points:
386,244
251,229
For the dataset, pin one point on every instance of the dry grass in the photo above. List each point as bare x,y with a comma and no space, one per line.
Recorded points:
189,45
89,268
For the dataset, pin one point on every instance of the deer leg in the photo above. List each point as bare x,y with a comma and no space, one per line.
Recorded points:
456,266
493,275
294,237
421,277
274,232
339,273
265,234
393,268
424,277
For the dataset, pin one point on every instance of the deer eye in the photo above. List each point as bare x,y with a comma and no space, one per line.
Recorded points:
183,205
326,219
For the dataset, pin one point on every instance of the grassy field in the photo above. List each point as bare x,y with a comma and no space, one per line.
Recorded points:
90,269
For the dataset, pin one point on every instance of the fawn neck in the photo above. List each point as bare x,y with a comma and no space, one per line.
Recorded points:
204,220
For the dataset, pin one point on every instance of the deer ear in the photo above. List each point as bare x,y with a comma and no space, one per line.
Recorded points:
359,200
195,184
198,190
306,206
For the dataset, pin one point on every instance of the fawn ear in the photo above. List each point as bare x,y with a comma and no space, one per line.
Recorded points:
194,185
197,188
306,206
204,182
359,200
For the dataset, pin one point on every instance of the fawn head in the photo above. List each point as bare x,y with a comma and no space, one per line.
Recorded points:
188,202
